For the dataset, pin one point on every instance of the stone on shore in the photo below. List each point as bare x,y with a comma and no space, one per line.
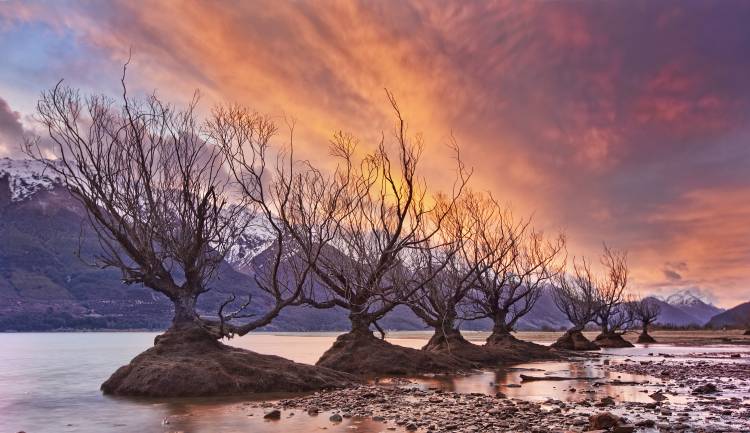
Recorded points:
603,421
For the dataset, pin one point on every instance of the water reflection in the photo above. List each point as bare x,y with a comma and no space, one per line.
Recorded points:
597,384
49,383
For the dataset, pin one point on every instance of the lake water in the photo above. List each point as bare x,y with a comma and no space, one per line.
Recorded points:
49,383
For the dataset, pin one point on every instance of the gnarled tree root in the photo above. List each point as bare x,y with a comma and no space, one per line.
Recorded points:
365,355
612,340
574,340
191,363
511,349
498,351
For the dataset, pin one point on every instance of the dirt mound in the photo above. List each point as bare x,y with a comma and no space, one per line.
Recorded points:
644,338
512,350
499,349
574,340
454,344
612,340
190,363
365,355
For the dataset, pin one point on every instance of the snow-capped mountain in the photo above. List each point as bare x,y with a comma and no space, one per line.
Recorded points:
44,285
26,177
686,297
686,308
256,238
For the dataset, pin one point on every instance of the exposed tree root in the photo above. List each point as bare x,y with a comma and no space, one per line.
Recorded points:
612,340
645,338
190,363
574,340
499,350
454,344
363,354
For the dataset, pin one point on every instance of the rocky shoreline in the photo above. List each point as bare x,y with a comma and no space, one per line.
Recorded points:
693,395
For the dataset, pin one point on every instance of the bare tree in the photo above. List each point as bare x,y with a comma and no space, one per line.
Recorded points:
575,295
367,270
299,204
613,314
156,195
584,297
515,277
152,188
646,311
456,256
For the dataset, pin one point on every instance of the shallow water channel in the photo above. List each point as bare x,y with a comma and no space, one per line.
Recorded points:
49,383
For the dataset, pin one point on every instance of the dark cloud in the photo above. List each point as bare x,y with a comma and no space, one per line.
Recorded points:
672,275
11,130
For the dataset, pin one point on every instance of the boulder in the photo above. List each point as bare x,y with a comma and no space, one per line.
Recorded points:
274,414
603,421
708,388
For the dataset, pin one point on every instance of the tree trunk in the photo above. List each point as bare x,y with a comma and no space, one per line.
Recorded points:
501,332
186,324
446,332
605,331
360,325
184,312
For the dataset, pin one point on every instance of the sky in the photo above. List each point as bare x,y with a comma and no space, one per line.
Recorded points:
617,122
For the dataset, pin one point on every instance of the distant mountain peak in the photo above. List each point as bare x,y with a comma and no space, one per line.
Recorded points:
27,177
256,238
687,297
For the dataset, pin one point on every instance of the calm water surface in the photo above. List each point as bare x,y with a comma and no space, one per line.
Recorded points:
49,383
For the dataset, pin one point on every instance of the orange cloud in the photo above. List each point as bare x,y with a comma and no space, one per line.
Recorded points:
600,118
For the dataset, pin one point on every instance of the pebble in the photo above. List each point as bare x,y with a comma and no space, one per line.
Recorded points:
274,414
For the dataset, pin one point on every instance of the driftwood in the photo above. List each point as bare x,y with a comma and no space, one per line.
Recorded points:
525,378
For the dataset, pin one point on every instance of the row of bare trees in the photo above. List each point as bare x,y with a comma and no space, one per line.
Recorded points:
154,183
168,195
496,268
584,297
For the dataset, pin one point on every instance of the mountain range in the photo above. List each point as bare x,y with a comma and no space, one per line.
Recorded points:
736,317
46,284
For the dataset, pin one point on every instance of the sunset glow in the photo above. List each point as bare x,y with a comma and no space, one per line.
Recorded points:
617,122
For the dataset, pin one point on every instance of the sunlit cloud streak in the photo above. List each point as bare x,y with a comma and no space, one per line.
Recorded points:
623,122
